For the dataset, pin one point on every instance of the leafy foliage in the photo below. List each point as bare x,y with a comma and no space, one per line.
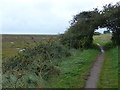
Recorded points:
97,33
111,14
39,61
81,31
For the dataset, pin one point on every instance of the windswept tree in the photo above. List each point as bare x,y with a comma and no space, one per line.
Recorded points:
111,13
80,33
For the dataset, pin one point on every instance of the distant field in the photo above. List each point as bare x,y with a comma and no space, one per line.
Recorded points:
102,39
11,42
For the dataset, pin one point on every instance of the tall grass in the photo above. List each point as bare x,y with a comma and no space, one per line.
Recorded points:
74,70
109,74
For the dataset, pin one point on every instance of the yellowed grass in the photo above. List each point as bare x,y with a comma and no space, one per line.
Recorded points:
102,37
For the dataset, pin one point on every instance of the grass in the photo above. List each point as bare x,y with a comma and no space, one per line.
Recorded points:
11,42
109,73
74,70
102,39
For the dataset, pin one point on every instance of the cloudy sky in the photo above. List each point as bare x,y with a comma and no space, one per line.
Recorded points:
42,16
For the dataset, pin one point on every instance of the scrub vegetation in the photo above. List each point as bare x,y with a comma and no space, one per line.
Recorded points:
63,61
74,70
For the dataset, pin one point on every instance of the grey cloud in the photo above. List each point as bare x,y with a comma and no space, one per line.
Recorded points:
40,16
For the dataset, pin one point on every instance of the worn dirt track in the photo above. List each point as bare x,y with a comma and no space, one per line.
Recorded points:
92,80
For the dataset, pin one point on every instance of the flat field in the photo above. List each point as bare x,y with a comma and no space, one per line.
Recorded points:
11,44
102,39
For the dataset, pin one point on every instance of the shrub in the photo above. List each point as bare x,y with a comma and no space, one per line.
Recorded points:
40,60
97,33
108,45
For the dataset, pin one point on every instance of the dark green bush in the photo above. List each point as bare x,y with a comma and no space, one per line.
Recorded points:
108,45
97,33
40,60
95,46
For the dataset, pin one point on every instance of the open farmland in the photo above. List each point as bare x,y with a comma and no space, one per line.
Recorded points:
11,44
102,39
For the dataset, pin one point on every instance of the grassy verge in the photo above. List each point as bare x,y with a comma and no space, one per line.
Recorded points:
109,73
74,70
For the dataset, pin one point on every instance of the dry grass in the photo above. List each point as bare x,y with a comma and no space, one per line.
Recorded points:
102,37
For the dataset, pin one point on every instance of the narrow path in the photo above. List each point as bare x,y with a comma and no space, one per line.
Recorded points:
95,70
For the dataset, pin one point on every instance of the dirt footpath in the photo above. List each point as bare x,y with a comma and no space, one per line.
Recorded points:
95,71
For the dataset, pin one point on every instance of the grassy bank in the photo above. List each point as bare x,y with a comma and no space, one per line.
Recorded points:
74,70
109,73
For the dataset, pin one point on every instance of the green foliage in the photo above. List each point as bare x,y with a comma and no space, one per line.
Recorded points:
40,61
29,80
83,25
95,46
108,45
30,68
80,34
74,70
112,19
97,33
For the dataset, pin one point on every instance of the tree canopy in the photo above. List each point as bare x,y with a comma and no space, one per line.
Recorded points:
80,33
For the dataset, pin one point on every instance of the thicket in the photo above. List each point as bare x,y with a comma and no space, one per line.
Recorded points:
97,33
33,65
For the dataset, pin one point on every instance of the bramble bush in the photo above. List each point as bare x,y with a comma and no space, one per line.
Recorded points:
41,61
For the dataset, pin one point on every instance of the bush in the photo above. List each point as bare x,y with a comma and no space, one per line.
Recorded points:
95,46
97,33
40,61
108,45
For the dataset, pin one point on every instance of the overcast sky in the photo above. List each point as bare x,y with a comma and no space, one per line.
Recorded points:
42,16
